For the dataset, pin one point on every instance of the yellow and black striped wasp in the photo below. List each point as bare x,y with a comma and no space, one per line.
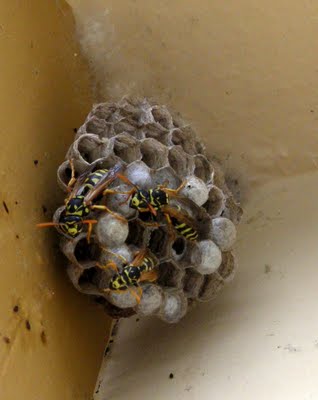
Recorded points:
150,202
141,269
84,190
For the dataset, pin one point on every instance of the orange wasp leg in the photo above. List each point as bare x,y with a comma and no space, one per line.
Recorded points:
110,264
171,229
73,179
126,180
129,194
131,291
149,224
137,296
90,223
173,192
106,209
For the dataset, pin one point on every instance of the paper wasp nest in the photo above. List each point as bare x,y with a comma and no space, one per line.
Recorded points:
155,147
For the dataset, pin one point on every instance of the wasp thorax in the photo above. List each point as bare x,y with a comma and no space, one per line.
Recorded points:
188,230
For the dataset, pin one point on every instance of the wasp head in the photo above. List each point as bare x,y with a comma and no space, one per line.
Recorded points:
117,283
140,201
71,225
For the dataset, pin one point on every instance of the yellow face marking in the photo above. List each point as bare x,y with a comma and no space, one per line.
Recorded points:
79,213
116,284
72,231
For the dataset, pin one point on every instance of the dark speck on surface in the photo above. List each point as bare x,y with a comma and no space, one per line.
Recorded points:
267,269
6,340
35,162
5,207
75,130
44,209
16,203
28,325
43,337
171,376
17,236
16,309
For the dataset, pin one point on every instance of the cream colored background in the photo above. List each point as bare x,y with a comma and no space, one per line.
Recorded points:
245,75
244,72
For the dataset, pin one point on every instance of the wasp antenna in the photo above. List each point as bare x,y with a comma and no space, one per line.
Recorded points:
126,180
89,221
47,224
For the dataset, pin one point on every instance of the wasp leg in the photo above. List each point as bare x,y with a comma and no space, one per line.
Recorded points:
129,194
110,264
137,296
89,232
171,230
111,191
149,224
90,223
173,192
106,209
73,179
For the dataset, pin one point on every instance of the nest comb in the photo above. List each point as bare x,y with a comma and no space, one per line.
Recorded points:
154,146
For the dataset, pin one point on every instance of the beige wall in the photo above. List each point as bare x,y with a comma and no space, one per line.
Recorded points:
243,72
44,94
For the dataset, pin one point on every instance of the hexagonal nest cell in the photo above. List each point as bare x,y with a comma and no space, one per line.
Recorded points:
187,243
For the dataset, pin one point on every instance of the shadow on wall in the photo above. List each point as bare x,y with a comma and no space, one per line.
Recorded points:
234,70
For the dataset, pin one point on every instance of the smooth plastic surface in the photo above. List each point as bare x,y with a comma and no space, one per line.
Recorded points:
51,337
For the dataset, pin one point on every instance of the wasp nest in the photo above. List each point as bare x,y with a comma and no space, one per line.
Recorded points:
154,147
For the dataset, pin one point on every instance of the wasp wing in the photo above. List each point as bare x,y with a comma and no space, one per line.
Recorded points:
138,258
180,216
105,181
149,276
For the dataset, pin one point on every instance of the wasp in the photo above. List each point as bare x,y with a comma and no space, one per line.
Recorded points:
84,190
153,201
141,269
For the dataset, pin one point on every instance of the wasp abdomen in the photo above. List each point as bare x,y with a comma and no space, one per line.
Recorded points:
92,180
185,230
